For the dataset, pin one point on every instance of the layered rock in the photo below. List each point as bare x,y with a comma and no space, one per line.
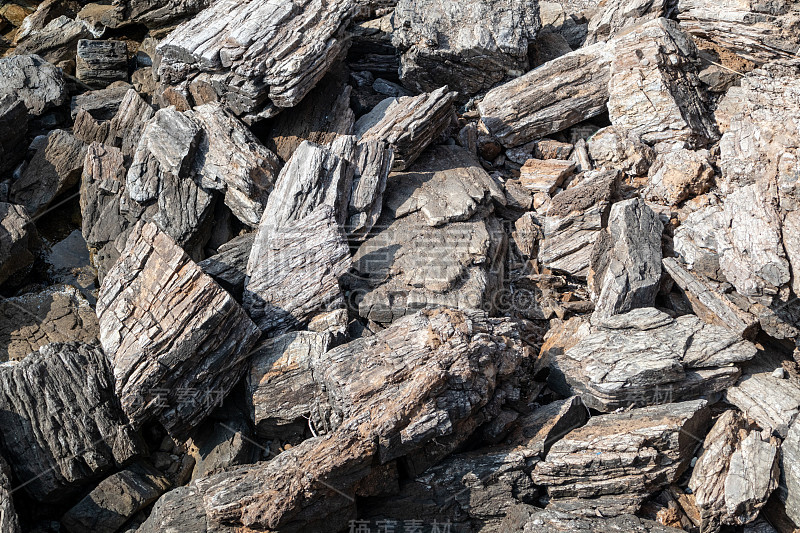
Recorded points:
37,83
558,522
100,63
772,401
9,521
168,328
614,17
228,266
790,472
613,148
678,175
14,120
17,235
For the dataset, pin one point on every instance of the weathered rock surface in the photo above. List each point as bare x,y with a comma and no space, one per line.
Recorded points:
613,17
644,357
62,425
625,268
468,45
678,175
37,83
167,328
17,234
14,120
545,175
56,41
158,13
409,124
771,401
790,472
9,521
100,63
30,321
613,148
55,167
558,522
228,266
372,162
248,64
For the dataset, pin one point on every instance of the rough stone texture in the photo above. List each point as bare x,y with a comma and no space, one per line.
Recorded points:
654,91
168,327
558,522
55,167
644,357
37,83
158,13
101,63
550,98
771,401
545,175
409,124
625,268
231,159
757,31
678,175
790,472
30,321
56,41
118,497
9,522
573,223
228,266
372,162
468,45
294,271
249,64
640,451
613,17
17,234
123,130
14,120
62,425
222,445
611,149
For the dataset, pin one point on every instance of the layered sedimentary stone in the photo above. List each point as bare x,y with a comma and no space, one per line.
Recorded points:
613,148
228,266
17,235
772,401
615,17
100,63
9,521
14,120
36,82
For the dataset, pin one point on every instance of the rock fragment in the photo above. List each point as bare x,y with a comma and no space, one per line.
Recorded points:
613,148
545,175
14,120
36,82
101,63
679,175
17,234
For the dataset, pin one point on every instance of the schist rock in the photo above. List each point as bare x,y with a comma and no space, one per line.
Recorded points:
625,267
468,45
100,63
645,357
678,175
169,327
122,130
228,266
613,148
735,473
754,30
100,103
14,120
56,41
30,321
547,521
9,521
36,82
372,162
409,123
545,175
249,65
614,17
55,167
17,236
773,402
63,427
573,223
390,395
629,455
159,13
790,472
294,270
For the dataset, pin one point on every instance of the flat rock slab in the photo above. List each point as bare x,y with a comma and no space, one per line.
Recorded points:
771,401
36,82
545,175
170,328
645,357
62,426
17,235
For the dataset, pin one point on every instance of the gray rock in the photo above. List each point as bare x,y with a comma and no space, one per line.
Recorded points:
14,120
679,175
790,472
56,41
222,445
37,83
17,235
228,266
771,401
9,521
558,522
615,149
100,63
614,17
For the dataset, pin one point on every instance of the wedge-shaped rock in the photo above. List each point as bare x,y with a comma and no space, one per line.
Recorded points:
372,162
250,63
654,91
771,401
14,120
545,175
116,499
101,63
790,472
630,453
36,82
735,474
573,223
468,45
228,266
55,167
62,426
123,130
9,521
231,159
168,327
391,394
56,41
754,30
30,321
17,234
613,17
625,269
645,357
409,123
294,271
557,522
550,98
159,13
678,175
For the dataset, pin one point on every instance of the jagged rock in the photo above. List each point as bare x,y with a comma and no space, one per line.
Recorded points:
228,266
159,13
30,321
37,83
613,17
294,271
548,521
771,401
550,98
386,403
56,41
9,522
55,167
734,475
167,328
468,45
573,223
678,175
625,268
17,234
372,162
227,48
654,91
100,63
222,445
409,124
231,159
129,122
613,148
629,453
757,31
13,131
790,472
116,499
100,103
545,175
644,357
62,426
